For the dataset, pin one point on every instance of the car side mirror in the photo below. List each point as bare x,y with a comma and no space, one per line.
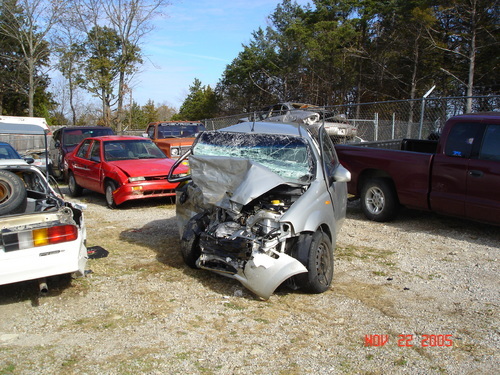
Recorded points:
95,159
29,160
341,174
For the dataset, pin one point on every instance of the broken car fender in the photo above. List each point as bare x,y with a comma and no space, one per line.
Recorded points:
263,274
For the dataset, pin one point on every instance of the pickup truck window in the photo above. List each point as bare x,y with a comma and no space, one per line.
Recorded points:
460,140
151,132
490,149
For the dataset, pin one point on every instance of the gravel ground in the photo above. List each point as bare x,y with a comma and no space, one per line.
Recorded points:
141,310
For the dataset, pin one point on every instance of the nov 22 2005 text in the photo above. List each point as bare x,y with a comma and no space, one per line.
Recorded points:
411,340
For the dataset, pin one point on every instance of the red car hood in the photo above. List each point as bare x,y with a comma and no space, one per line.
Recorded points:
146,167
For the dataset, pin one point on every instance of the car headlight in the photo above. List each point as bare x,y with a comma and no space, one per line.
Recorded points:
180,175
135,179
174,151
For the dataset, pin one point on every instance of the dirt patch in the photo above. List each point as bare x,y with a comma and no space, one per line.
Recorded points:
141,310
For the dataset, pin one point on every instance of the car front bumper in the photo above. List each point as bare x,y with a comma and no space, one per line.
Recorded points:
144,189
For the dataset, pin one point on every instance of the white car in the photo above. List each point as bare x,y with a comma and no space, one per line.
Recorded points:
41,234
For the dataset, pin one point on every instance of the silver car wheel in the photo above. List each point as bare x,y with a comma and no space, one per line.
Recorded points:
375,200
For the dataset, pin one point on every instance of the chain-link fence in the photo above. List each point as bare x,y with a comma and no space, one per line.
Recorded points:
418,118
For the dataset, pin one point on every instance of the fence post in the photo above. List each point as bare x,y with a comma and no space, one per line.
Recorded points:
422,111
375,121
393,124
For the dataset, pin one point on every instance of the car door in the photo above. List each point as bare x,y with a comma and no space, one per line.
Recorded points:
94,165
483,179
80,165
330,163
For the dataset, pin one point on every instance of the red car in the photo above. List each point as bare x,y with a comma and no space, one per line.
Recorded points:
121,167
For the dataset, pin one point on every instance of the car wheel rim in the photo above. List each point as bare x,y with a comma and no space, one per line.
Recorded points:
71,183
323,264
109,195
4,192
375,200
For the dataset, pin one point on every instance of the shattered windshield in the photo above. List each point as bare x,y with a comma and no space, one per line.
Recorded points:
287,156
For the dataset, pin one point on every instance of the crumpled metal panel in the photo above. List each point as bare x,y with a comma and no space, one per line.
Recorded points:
230,183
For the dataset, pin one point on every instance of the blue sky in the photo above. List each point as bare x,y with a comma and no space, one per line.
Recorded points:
197,39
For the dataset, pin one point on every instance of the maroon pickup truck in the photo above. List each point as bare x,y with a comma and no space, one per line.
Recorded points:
457,175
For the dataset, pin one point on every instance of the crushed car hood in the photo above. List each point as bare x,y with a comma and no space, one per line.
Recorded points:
231,183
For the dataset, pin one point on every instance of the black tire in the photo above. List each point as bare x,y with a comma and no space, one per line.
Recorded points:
379,200
191,251
75,190
314,251
13,196
108,191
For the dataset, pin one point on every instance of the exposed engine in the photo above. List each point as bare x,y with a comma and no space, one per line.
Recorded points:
230,239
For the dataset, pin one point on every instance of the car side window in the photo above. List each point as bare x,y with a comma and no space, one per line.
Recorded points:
82,151
490,149
460,140
329,155
95,153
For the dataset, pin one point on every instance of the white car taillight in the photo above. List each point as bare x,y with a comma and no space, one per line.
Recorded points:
12,241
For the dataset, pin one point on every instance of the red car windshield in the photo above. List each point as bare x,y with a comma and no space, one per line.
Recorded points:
131,149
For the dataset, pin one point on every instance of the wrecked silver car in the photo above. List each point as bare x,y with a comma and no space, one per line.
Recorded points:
263,204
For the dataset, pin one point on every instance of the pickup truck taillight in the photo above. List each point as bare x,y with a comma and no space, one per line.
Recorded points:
38,237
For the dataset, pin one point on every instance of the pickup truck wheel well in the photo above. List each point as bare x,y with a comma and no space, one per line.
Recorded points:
371,174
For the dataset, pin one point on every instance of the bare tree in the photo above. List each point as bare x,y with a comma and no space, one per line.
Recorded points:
131,19
31,31
464,25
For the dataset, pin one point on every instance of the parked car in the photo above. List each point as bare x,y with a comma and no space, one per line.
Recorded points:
65,139
457,175
40,159
337,126
265,203
8,152
121,167
42,234
174,137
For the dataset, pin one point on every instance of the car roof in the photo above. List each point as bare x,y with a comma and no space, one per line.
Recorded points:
84,127
120,138
267,128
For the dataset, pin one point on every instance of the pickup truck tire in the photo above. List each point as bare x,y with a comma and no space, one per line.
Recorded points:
314,251
13,195
110,187
379,200
75,190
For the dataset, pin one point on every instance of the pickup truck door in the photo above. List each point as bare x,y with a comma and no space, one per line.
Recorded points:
449,170
483,179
